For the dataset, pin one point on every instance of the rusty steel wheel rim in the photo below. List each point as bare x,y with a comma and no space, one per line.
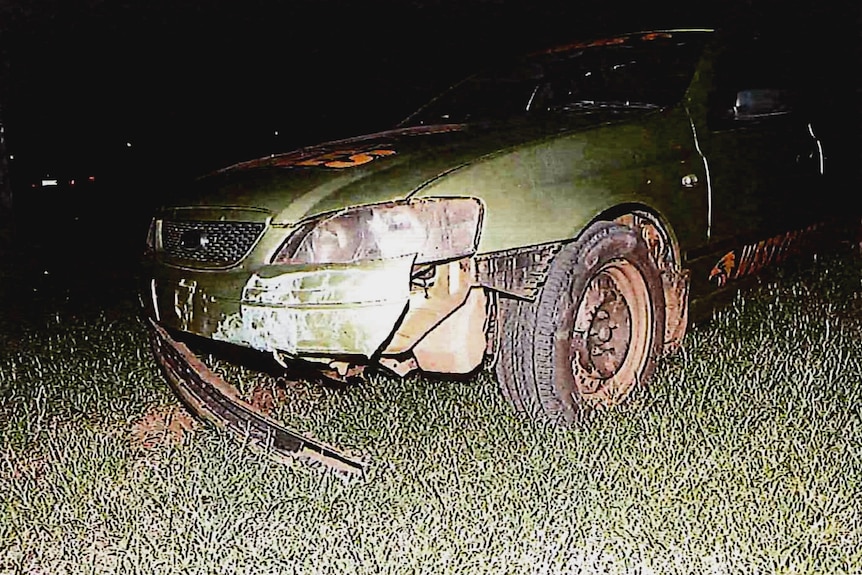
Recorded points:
612,334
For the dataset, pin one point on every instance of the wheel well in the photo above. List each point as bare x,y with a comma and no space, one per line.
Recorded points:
653,228
664,250
520,273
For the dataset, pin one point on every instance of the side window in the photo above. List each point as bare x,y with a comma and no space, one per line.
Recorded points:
758,103
752,83
652,72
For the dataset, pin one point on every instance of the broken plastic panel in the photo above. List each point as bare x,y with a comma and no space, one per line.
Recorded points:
435,229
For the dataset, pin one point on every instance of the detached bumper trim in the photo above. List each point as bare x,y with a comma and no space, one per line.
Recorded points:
212,399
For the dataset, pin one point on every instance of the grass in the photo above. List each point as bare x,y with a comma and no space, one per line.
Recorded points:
744,456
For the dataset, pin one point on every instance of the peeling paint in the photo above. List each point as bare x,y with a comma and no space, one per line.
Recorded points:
344,309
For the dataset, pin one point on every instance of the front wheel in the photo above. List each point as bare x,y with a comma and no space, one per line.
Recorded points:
592,334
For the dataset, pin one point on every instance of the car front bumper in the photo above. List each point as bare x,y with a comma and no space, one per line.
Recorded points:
333,310
212,399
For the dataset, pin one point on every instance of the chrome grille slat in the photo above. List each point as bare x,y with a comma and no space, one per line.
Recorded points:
224,243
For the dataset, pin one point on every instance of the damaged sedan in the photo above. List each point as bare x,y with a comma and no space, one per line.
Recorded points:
555,217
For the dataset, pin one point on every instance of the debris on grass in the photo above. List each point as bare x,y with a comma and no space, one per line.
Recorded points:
163,425
266,398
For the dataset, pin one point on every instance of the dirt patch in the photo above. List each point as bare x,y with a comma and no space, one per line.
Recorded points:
265,398
163,425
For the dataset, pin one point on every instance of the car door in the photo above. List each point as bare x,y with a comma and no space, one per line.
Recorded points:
762,152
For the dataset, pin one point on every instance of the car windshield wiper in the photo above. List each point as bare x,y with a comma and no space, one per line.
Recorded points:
605,105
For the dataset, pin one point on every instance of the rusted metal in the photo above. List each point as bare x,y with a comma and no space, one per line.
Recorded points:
675,280
212,399
676,291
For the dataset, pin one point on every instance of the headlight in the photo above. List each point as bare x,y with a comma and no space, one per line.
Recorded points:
434,229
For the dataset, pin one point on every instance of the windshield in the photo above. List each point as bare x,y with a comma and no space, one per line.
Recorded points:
649,70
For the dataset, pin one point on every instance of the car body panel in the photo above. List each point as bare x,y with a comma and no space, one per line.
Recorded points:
756,163
319,179
550,189
345,309
562,176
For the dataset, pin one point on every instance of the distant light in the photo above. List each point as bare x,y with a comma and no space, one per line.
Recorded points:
128,144
11,156
71,182
92,178
46,183
276,132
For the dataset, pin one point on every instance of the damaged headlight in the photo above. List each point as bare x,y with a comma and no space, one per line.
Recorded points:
434,229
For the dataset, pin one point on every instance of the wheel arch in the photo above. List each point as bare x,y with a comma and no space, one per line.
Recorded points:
648,221
658,234
520,272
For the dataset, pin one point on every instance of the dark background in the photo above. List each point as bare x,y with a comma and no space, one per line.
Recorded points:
143,94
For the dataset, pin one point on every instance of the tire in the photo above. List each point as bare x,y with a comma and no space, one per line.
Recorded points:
592,334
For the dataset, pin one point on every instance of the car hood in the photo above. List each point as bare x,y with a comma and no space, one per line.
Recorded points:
379,167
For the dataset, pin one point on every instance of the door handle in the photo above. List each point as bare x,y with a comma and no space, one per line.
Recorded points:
689,180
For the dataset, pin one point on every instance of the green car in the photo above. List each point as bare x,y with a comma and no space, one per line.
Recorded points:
555,217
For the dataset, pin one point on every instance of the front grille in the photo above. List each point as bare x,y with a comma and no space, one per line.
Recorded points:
211,243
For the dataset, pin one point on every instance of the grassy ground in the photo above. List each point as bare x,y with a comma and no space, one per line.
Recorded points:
744,456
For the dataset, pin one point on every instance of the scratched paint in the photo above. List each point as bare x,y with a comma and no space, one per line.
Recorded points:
753,258
346,309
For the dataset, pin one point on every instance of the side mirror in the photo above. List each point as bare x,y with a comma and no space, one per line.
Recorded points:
761,103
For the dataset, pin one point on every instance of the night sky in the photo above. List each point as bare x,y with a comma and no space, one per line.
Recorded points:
194,84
